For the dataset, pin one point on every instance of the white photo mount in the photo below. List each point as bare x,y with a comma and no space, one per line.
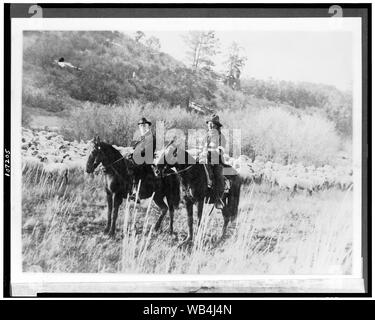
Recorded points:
30,284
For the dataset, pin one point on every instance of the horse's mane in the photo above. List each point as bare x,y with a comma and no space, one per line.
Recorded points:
109,149
106,146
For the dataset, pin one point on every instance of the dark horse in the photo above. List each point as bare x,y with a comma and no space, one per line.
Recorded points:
194,187
119,179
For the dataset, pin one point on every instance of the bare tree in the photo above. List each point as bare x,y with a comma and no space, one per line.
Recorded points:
235,62
203,45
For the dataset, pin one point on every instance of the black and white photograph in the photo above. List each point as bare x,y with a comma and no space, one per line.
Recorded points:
182,152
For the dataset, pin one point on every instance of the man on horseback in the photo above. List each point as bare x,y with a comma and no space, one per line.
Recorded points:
143,152
212,151
144,148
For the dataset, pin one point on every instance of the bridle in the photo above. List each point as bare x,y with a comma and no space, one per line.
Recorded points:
111,164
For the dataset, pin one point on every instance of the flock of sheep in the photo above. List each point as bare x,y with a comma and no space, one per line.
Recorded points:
52,151
294,177
56,154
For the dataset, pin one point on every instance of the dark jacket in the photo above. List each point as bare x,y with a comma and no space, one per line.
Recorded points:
144,149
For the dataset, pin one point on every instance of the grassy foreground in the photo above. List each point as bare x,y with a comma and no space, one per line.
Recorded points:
63,223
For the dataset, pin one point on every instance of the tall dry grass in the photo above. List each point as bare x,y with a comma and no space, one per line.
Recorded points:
63,232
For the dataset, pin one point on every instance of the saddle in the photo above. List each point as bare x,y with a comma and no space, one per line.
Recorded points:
210,178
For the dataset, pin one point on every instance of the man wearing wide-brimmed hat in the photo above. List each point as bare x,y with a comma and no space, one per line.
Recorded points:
213,149
144,148
142,154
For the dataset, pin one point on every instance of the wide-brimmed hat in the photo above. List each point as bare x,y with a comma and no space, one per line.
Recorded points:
144,120
215,120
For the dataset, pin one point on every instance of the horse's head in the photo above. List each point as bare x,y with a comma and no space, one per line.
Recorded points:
96,156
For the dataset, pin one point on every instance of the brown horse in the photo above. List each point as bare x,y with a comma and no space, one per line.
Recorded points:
194,186
119,179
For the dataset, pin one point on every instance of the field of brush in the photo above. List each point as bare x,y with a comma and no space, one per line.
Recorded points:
277,232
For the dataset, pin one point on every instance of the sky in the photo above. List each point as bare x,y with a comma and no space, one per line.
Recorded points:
313,56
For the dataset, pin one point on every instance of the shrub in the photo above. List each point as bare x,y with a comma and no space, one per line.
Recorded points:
226,98
278,135
43,98
118,124
273,133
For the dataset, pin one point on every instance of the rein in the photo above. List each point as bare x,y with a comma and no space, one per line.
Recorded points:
113,168
122,158
178,172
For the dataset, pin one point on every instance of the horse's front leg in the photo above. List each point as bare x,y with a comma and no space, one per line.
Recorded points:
200,210
117,200
224,229
109,215
163,207
171,216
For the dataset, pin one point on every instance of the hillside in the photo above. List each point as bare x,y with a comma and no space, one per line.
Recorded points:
85,83
113,68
